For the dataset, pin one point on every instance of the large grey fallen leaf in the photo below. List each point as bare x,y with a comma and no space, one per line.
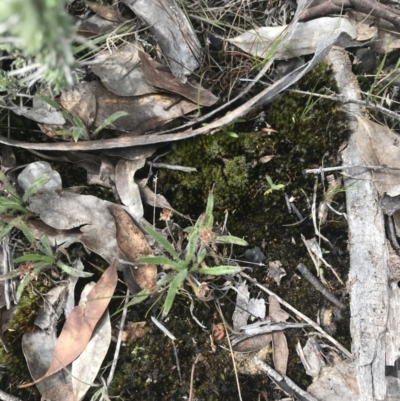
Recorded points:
35,170
311,357
304,40
241,314
173,33
41,114
378,146
66,210
38,346
95,25
127,188
121,72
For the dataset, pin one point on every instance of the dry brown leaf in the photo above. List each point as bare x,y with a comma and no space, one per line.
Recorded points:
81,322
280,347
365,25
61,392
133,244
166,214
157,75
96,25
110,13
252,343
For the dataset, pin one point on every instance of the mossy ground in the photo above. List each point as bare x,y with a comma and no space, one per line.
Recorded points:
308,135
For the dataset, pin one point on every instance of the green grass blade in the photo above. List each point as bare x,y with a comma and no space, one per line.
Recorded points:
13,204
209,218
49,101
7,185
25,281
33,257
162,241
191,246
201,255
172,290
45,246
109,121
25,230
218,270
157,260
230,239
72,271
35,187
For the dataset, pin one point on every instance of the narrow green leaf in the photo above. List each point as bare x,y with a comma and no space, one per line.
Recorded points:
7,185
162,241
139,297
14,204
25,281
191,247
189,230
72,271
201,255
49,101
33,257
25,230
172,290
230,239
218,270
46,247
233,134
35,187
109,121
157,260
6,228
209,222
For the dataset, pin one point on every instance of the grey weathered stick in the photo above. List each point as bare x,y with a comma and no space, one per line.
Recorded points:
287,385
298,313
319,286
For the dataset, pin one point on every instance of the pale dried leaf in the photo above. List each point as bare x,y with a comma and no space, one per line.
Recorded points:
378,146
173,33
60,392
81,322
65,211
366,25
266,159
121,72
304,40
127,188
96,25
276,271
240,315
86,367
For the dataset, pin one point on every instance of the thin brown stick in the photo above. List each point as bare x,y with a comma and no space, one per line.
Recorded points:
192,376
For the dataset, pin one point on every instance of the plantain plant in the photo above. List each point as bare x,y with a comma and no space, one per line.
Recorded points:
201,238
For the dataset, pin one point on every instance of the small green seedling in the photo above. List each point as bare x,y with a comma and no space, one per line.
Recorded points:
272,186
201,237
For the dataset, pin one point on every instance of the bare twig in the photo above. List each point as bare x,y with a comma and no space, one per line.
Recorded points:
287,385
298,313
321,170
192,377
319,286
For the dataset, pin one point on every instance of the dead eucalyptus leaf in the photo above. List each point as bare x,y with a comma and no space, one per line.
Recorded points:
251,343
280,347
304,40
157,75
81,322
61,392
266,159
109,13
127,188
65,211
378,146
96,25
133,245
173,33
121,72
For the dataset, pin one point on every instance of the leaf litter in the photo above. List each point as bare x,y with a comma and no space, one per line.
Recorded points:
134,82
